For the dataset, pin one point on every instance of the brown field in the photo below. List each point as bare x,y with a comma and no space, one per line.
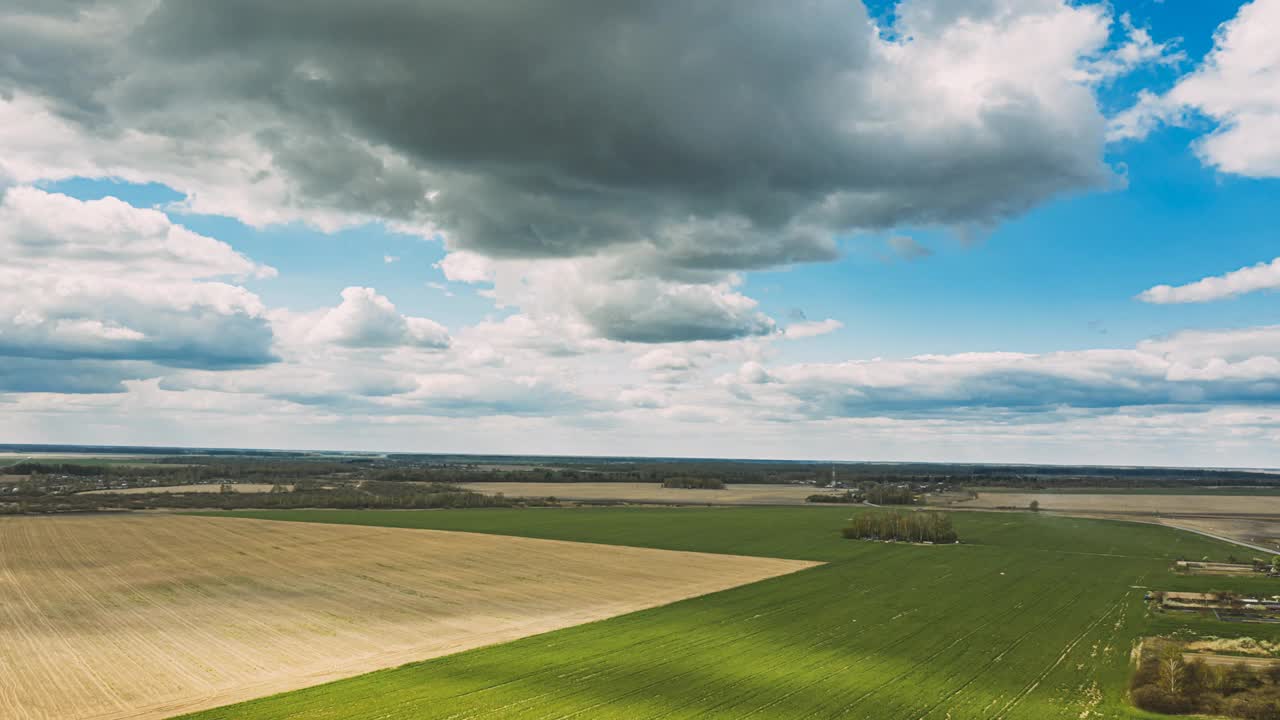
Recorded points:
653,492
1253,663
148,617
1256,531
1250,520
206,488
1171,504
1219,569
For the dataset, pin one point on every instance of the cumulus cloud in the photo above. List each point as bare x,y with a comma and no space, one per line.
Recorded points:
615,299
1138,50
466,267
40,228
103,281
796,331
366,319
646,399
728,136
1263,276
1237,87
400,383
664,360
685,143
646,311
1187,369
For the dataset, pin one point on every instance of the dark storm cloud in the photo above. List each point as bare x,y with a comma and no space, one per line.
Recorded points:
726,134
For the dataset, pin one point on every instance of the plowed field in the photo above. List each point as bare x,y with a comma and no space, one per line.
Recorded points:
147,617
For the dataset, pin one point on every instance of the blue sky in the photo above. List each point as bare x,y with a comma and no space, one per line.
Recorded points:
621,262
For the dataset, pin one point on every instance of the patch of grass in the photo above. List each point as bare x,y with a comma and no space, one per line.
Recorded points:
1030,617
799,533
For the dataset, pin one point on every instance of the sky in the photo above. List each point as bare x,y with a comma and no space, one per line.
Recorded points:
929,230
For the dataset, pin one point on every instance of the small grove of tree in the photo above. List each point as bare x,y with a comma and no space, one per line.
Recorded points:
695,483
1168,683
1034,506
845,497
881,494
934,527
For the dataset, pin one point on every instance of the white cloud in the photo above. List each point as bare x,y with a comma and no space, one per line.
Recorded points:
647,399
665,360
1192,398
466,267
652,311
39,229
441,287
615,298
366,319
1237,87
1138,50
1263,276
814,328
753,373
1190,368
122,287
390,259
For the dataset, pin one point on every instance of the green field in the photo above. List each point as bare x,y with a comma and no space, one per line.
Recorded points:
1030,617
86,460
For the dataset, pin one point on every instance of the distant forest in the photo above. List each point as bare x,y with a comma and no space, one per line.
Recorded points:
53,483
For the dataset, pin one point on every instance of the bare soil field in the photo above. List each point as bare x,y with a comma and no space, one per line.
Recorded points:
148,617
206,488
653,492
1253,663
1218,569
1256,531
1109,503
1251,520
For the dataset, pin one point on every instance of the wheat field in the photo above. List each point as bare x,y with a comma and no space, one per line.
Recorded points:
148,617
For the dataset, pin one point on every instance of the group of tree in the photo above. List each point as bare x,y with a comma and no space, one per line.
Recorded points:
693,483
886,494
1168,683
846,497
901,525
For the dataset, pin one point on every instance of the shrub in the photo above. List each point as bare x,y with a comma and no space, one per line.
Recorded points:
1157,699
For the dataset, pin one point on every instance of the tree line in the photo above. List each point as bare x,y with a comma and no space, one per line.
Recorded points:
307,494
874,493
1166,682
900,525
881,494
695,483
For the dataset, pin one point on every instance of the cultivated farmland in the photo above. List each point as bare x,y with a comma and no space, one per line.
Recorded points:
1031,616
146,617
1202,504
742,494
205,488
